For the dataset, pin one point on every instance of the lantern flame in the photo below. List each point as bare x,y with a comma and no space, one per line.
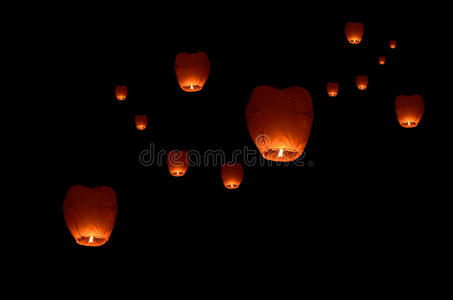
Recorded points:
191,87
280,153
91,239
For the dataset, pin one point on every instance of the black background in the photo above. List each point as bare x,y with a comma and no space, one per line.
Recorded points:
359,197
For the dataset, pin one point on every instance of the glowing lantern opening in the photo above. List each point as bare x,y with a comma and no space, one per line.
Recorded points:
121,92
382,60
232,175
90,214
362,82
141,121
392,44
409,110
177,162
279,121
332,89
192,70
354,32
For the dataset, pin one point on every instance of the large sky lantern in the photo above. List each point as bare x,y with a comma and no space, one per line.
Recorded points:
121,92
361,82
141,121
90,214
409,110
354,32
332,89
192,70
381,60
232,175
279,121
392,44
177,162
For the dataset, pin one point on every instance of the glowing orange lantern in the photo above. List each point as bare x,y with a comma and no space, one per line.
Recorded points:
332,89
192,70
354,32
90,214
141,121
279,121
362,82
232,175
382,60
121,92
178,162
392,44
409,110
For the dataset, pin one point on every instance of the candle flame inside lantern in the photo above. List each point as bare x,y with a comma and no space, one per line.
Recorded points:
91,239
191,87
280,153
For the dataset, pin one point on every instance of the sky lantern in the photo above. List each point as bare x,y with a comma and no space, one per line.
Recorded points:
232,175
362,82
381,60
392,44
178,162
354,32
141,121
192,70
409,110
90,214
279,121
121,92
332,89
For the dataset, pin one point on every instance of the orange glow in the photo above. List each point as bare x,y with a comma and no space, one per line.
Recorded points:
382,60
362,82
192,70
332,89
90,214
279,121
354,32
177,162
141,121
232,175
392,44
409,110
121,92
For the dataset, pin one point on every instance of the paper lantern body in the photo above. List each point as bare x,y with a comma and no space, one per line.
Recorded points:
192,70
382,60
332,89
141,121
409,110
121,92
232,175
354,32
279,121
177,162
392,44
362,82
90,214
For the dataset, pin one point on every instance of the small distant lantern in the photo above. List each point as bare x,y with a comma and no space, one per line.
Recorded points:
382,60
177,162
392,44
362,82
121,92
192,70
232,175
279,121
90,214
141,121
354,32
409,110
332,89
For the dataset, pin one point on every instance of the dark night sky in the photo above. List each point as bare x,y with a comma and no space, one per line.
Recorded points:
363,193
